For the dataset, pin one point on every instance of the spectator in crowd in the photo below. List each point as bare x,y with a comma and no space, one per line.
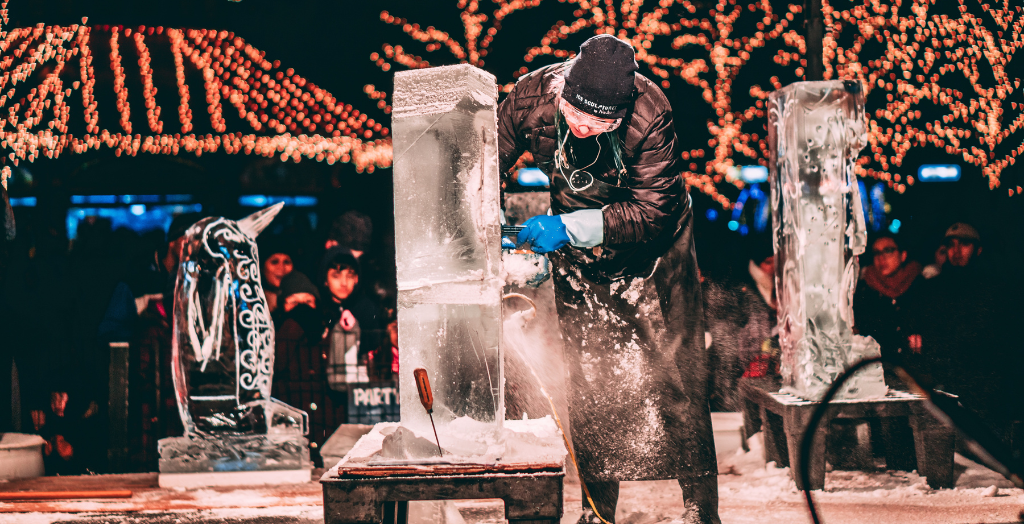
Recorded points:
384,359
300,362
762,335
172,257
64,426
35,306
880,302
880,307
962,324
153,413
154,292
277,263
298,290
353,230
351,316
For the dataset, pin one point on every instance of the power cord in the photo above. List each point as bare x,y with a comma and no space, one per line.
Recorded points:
945,407
812,427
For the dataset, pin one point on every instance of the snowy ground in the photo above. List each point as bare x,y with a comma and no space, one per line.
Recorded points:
750,492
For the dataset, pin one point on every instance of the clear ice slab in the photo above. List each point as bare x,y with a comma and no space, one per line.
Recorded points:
233,453
815,131
447,235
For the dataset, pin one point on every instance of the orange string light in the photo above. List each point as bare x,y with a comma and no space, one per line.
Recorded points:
119,88
148,91
905,55
915,42
305,121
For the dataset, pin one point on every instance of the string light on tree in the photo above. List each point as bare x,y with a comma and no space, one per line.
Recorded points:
936,77
708,45
928,55
660,35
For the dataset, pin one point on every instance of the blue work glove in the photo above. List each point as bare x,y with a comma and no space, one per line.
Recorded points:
544,233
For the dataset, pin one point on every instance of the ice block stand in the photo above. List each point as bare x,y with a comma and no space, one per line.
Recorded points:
448,255
815,131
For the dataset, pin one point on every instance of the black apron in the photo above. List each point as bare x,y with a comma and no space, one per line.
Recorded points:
634,348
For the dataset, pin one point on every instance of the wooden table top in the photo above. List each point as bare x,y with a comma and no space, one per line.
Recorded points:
147,495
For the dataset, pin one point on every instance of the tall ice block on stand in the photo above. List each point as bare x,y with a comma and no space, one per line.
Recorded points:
815,130
447,236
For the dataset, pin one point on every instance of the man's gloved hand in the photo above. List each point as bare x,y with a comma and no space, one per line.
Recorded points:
544,233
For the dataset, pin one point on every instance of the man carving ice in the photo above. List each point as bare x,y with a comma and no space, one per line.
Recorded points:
626,288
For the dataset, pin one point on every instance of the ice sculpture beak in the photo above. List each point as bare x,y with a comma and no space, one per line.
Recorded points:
255,223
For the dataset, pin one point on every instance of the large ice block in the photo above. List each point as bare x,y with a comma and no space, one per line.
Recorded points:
815,130
448,246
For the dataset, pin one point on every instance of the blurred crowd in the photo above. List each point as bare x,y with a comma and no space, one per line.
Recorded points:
947,321
332,303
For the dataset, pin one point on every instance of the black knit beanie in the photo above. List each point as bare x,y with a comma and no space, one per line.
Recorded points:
600,80
353,230
294,283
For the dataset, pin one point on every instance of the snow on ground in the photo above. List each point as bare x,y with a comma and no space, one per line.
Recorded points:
274,515
750,492
747,477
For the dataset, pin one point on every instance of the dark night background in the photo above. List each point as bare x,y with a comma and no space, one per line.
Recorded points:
329,43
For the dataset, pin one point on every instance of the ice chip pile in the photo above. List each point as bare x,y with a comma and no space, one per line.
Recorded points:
404,444
447,235
522,269
815,130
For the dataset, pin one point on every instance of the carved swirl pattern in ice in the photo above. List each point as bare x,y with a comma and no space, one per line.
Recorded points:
815,130
254,335
223,345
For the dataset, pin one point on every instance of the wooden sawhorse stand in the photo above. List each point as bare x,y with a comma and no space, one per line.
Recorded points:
784,418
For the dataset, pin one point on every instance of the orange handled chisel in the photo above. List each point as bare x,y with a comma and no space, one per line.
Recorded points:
427,399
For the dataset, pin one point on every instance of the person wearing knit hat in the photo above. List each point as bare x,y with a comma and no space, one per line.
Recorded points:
620,237
276,264
353,230
300,362
296,289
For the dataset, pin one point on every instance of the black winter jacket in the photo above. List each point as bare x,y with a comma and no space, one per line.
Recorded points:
651,212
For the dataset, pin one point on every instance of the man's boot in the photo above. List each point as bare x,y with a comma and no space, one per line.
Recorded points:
700,498
605,496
